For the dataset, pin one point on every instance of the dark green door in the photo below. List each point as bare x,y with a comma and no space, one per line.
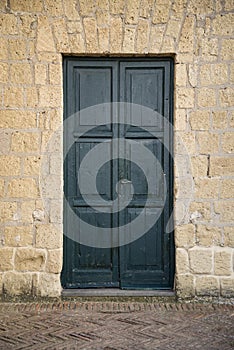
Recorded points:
146,260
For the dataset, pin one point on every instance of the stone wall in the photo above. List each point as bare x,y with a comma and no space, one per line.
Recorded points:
33,36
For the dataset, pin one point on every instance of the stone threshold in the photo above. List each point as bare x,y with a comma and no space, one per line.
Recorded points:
115,292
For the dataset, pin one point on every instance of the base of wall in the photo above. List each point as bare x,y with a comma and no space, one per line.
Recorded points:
114,292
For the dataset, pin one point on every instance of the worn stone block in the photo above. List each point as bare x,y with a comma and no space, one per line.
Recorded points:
207,286
229,236
184,97
61,35
40,74
71,10
182,262
23,188
227,287
208,235
86,7
200,260
185,285
208,142
219,119
50,96
3,49
45,40
206,97
185,236
161,12
223,24
13,97
27,6
21,73
103,39
22,142
17,49
214,74
187,35
221,166
17,283
4,68
199,166
90,28
8,211
55,74
49,285
132,11
142,36
156,38
9,165
116,34
222,263
227,51
54,261
207,188
32,165
225,209
6,259
49,236
129,39
227,189
201,210
29,259
226,96
18,236
227,142
8,24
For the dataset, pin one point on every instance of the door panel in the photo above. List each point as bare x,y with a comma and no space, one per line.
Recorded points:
147,262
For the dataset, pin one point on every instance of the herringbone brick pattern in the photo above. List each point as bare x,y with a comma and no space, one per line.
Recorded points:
112,326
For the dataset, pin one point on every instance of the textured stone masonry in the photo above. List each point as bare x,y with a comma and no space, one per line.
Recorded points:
33,36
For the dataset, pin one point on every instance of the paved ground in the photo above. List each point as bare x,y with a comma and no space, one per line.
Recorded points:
112,326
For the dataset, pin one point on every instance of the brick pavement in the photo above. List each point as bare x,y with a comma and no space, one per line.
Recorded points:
116,325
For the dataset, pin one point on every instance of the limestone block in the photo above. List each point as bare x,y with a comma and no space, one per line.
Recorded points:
86,7
4,76
213,74
227,189
142,36
182,262
183,187
229,236
103,39
199,166
129,39
50,96
227,142
103,17
225,209
23,188
56,211
90,28
178,8
32,165
13,97
2,186
185,143
207,188
27,6
9,166
219,119
200,260
17,49
202,208
227,287
77,43
28,25
49,236
55,74
17,283
49,57
173,28
221,166
60,32
187,35
18,236
201,7
40,74
116,34
185,285
181,74
74,27
207,286
206,97
209,49
208,235
161,12
145,8
27,208
180,120
29,259
132,11
223,24
156,37
54,8
117,7
21,73
8,24
49,285
184,97
185,236
168,45
6,259
193,74
226,96
54,261
3,50
222,263
22,142
45,40
208,142
8,210
71,10
31,96
227,50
